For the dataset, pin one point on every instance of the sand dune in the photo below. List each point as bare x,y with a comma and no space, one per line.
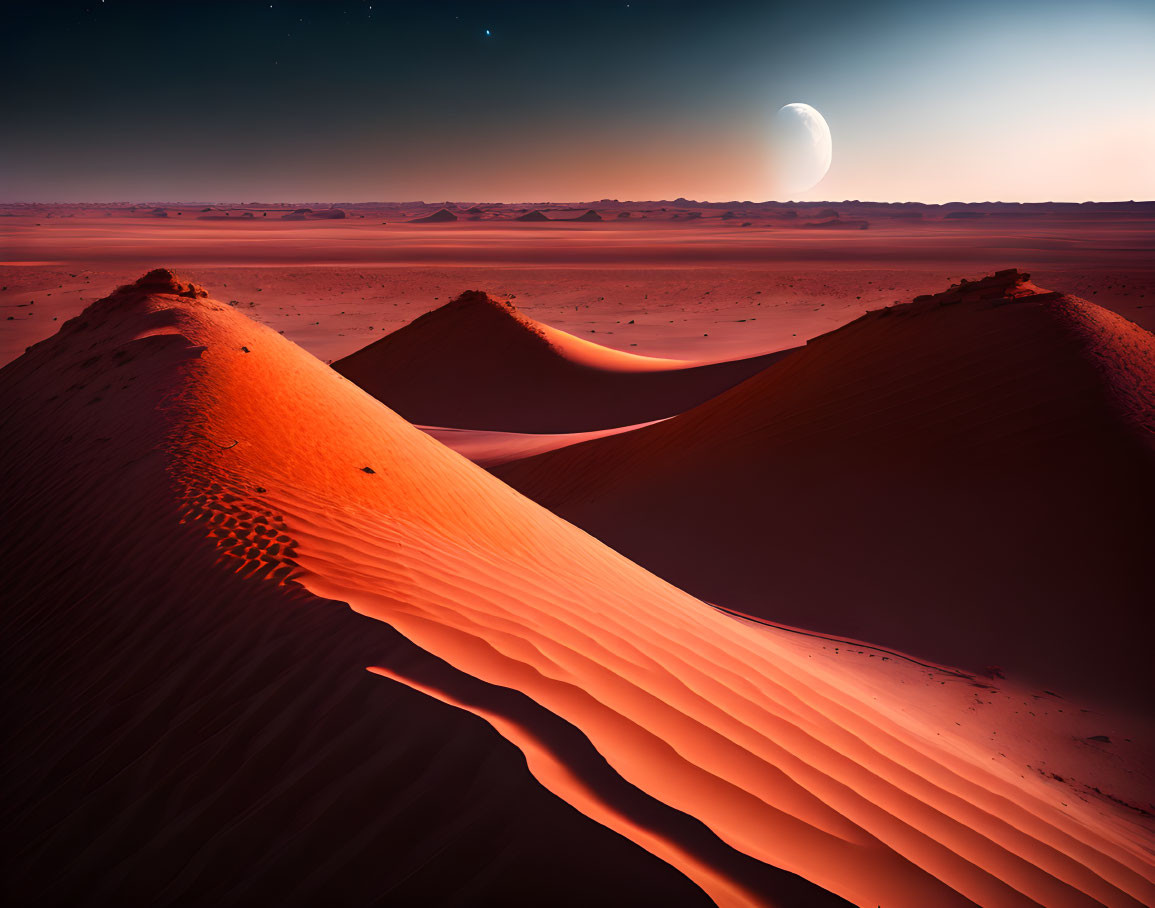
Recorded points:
480,363
183,732
196,495
969,478
491,449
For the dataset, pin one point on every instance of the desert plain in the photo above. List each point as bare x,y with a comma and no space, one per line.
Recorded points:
696,283
746,554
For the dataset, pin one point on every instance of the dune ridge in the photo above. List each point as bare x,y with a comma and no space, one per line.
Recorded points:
187,728
481,363
984,454
490,449
780,754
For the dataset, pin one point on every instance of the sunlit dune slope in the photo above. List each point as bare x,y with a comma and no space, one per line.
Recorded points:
969,477
749,760
183,728
480,363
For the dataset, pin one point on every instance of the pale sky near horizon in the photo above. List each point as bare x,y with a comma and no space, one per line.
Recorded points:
357,101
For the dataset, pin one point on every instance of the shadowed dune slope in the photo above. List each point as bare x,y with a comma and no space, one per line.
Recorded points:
480,363
753,762
184,728
969,478
489,449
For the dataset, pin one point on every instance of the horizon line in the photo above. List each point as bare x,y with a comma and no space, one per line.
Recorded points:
678,202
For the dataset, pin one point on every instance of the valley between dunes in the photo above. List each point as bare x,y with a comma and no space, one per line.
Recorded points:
508,712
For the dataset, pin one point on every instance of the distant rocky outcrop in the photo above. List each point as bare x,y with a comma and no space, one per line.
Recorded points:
308,214
532,216
590,215
837,224
441,216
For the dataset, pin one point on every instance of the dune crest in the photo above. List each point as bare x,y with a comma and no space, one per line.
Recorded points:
481,363
185,723
984,453
490,449
780,754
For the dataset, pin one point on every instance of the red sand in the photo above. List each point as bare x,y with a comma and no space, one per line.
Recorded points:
491,449
704,289
969,481
191,489
479,363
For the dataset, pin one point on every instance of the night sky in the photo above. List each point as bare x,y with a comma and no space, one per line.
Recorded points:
513,101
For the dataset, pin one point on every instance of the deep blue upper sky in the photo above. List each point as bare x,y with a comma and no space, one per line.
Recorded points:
175,99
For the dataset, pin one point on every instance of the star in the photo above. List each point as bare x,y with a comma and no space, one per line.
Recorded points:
487,33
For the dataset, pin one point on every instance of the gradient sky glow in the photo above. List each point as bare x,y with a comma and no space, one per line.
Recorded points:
568,100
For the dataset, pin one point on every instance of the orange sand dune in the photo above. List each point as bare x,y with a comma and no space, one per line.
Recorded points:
491,449
747,758
969,478
183,732
479,363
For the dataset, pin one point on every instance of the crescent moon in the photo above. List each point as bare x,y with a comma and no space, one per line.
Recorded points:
802,147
